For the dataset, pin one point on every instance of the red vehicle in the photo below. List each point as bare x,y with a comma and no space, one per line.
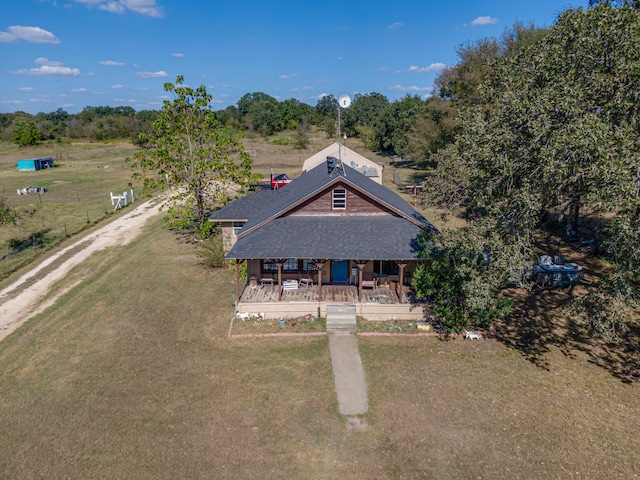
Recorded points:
279,180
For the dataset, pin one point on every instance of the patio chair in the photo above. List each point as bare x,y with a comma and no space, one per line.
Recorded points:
558,260
545,260
306,282
369,280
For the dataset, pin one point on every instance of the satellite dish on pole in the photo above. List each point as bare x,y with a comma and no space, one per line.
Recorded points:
344,101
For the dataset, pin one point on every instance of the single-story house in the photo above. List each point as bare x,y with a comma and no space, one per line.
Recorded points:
33,164
331,235
349,157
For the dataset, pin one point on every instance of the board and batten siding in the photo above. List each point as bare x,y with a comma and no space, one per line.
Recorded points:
357,204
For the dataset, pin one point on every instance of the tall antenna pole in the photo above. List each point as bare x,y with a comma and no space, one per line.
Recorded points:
339,135
343,102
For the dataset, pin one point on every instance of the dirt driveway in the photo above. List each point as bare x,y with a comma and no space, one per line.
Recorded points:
20,301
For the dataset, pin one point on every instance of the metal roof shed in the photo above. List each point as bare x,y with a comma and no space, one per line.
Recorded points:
33,164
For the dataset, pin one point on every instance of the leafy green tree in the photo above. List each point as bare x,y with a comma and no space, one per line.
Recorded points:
366,110
558,131
264,117
8,215
460,83
249,99
25,131
327,106
293,112
461,278
188,152
302,135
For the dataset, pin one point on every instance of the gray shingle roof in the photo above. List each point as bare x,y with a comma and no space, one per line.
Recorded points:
261,206
381,237
243,208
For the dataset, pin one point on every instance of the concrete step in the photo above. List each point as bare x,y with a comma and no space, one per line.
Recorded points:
341,318
342,328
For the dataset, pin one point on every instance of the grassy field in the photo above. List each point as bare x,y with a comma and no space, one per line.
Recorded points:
132,375
77,195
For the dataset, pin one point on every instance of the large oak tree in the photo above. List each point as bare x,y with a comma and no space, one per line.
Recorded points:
556,128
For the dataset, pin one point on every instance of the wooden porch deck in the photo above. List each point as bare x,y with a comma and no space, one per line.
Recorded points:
330,293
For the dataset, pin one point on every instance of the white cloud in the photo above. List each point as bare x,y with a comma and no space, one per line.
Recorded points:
28,34
412,88
395,25
26,89
40,100
46,61
79,90
112,7
117,87
434,67
484,20
158,74
112,63
302,89
177,55
286,77
143,7
49,70
49,67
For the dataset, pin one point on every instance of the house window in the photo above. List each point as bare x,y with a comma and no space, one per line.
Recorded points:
269,266
289,266
339,197
237,226
384,267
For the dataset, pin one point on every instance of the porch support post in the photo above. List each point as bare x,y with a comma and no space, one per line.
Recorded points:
402,265
279,263
237,283
319,264
360,268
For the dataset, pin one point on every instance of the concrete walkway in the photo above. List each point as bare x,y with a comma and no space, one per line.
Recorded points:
348,374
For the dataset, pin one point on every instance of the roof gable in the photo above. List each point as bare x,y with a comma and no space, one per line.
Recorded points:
353,159
259,208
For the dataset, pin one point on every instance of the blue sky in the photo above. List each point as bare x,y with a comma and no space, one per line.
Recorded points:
75,53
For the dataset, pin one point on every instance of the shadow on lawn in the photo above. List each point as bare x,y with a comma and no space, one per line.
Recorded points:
537,323
39,239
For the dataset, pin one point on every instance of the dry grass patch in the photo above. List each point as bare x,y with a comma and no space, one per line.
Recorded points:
131,375
456,409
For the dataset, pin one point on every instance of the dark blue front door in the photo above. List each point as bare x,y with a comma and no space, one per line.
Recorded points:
339,271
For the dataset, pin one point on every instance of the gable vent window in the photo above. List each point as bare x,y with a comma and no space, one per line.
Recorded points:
339,199
237,226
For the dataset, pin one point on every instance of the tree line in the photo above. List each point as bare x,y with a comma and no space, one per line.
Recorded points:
412,127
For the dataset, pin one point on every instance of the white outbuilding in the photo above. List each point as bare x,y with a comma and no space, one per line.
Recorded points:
349,157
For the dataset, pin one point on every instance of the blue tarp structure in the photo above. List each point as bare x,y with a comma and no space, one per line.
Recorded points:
33,164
